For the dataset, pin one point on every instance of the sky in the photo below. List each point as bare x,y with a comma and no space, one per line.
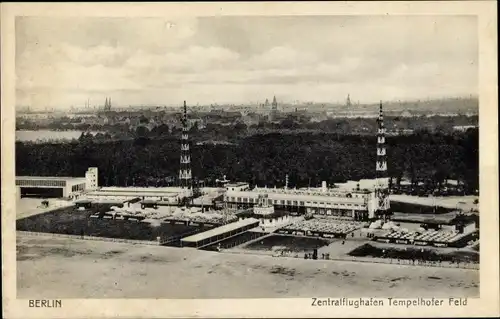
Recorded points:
62,62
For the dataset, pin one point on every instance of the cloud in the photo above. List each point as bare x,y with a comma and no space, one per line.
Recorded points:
101,54
281,57
194,58
236,59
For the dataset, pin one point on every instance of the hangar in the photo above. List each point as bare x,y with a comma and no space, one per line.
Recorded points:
44,186
58,187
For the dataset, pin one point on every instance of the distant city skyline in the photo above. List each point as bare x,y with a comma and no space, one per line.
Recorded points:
256,104
237,60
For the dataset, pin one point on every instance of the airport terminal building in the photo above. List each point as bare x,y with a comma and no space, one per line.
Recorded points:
338,202
355,204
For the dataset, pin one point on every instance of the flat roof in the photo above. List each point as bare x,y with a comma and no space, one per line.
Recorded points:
131,193
237,184
149,201
220,230
42,178
425,218
143,189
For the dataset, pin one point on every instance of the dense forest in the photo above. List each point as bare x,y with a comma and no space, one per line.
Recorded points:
262,159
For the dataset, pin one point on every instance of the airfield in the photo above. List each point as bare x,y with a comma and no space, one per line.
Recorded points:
50,267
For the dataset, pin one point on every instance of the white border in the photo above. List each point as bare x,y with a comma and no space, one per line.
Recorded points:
487,305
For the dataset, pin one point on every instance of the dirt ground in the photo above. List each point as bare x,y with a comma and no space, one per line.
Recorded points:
70,268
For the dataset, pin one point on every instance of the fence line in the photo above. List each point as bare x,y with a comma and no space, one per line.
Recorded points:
117,240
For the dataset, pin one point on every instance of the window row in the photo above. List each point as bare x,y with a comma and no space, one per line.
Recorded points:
78,187
289,202
41,183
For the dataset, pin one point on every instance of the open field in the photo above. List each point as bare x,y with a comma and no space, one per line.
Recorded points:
291,243
53,267
75,222
66,268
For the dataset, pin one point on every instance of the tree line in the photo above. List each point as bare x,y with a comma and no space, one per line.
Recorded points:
261,159
290,121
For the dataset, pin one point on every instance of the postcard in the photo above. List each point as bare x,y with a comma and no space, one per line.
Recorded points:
270,159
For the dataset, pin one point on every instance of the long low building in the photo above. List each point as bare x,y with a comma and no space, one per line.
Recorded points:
45,186
213,235
170,195
56,186
358,204
154,195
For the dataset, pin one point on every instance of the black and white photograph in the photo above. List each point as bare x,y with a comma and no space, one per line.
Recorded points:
331,157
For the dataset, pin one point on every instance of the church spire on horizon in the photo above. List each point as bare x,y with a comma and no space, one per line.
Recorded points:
107,104
274,110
